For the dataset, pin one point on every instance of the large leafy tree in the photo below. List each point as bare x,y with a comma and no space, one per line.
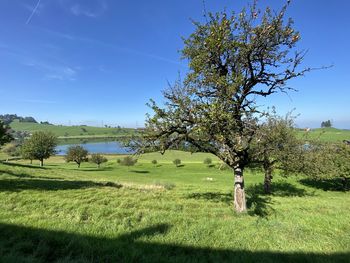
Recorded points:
233,59
41,145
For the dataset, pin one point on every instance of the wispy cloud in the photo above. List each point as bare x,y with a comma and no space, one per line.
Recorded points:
111,46
33,12
50,71
80,10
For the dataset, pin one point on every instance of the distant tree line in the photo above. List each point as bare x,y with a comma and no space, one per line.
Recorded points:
326,124
8,118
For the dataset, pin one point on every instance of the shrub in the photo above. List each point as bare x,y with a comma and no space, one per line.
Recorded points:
207,161
154,162
98,159
119,161
128,161
177,162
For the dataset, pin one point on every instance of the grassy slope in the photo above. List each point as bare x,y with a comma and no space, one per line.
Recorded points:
326,134
71,131
61,212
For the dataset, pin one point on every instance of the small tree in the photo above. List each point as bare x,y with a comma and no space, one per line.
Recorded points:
128,161
41,145
77,154
277,147
177,162
98,159
207,161
12,149
27,151
154,162
5,135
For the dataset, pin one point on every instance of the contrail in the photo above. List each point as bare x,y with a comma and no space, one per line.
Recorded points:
33,12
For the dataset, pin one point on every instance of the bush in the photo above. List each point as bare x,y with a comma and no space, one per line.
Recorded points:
177,162
128,161
119,161
154,162
98,159
207,161
12,149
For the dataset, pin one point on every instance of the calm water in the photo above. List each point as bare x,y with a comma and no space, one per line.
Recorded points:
109,147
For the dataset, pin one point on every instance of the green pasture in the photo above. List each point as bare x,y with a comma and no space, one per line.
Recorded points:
163,213
72,131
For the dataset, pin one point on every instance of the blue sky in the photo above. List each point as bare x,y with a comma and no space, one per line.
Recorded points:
99,61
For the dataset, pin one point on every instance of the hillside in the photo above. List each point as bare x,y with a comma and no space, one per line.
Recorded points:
72,131
325,134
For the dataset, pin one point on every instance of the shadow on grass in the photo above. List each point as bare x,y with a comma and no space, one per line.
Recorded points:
258,203
45,184
94,169
333,184
28,244
140,171
25,175
24,165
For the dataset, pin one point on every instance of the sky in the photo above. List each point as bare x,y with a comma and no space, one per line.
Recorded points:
99,62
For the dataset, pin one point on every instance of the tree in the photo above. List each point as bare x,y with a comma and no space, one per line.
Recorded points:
11,149
233,59
5,135
277,147
154,162
326,124
41,145
177,162
98,159
207,161
128,161
77,154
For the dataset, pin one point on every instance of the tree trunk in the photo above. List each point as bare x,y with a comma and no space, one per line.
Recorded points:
31,161
98,165
42,162
239,194
267,181
78,165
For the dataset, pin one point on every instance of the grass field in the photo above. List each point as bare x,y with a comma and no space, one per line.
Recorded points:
325,134
161,213
72,131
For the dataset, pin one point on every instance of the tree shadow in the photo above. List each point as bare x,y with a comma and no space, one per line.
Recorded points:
29,244
216,197
332,184
25,175
24,165
140,171
94,169
15,185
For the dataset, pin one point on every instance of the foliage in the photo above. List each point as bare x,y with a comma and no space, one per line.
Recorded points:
98,159
12,149
128,161
233,59
177,162
8,118
207,161
276,146
326,124
41,145
5,135
154,162
326,160
77,154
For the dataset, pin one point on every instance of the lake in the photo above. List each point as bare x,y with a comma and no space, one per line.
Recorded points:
106,147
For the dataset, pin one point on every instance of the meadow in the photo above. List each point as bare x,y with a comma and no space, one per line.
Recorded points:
163,213
73,132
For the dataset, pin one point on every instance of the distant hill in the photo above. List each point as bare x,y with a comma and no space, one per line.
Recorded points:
81,131
8,118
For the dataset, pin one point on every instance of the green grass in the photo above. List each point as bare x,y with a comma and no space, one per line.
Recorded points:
72,131
325,134
164,214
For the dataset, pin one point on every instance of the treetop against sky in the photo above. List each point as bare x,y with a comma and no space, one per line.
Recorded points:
93,61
